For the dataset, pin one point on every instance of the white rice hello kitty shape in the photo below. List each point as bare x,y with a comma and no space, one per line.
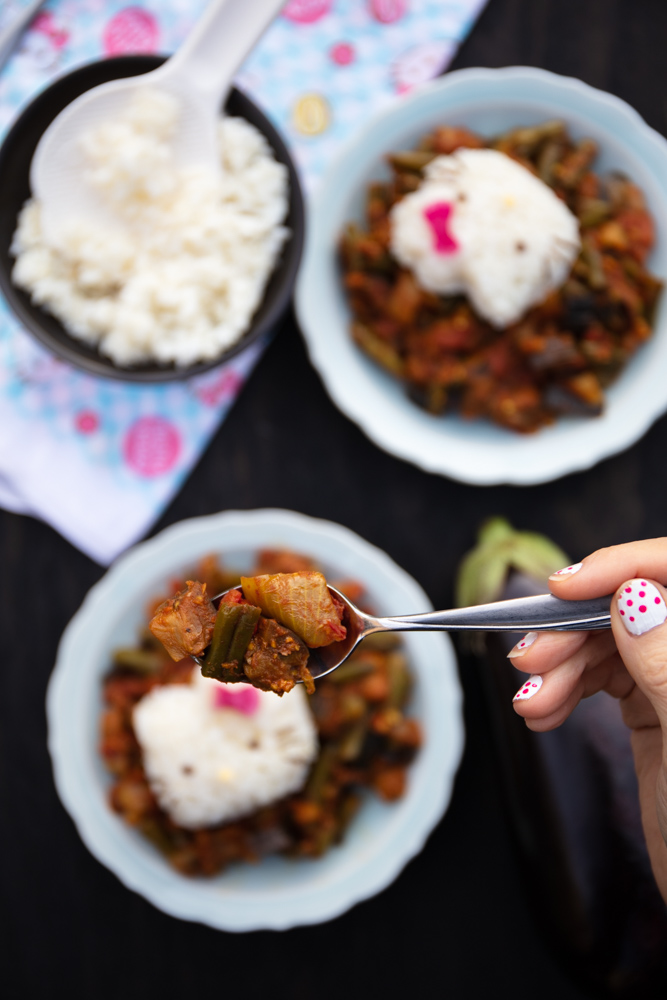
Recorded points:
483,225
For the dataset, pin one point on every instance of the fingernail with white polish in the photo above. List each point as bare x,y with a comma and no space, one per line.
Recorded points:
640,606
523,644
566,571
528,688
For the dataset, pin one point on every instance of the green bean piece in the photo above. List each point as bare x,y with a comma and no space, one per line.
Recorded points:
434,399
407,181
616,187
352,706
320,773
593,211
527,139
593,259
348,810
651,302
379,640
378,190
410,159
352,743
221,640
141,661
243,632
352,670
573,166
227,650
353,258
399,680
548,157
324,838
381,352
152,830
232,673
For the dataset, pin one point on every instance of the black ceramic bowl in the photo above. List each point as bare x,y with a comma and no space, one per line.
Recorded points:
15,158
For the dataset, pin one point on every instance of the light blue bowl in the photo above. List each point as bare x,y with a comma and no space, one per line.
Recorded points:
277,893
488,101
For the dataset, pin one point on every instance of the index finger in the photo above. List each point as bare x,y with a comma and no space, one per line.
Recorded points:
605,570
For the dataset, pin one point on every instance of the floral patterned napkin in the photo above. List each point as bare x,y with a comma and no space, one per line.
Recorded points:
97,459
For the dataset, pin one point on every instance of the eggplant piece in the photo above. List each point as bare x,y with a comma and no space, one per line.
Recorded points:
559,353
580,304
560,399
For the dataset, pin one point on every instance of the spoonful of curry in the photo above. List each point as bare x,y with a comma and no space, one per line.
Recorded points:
280,629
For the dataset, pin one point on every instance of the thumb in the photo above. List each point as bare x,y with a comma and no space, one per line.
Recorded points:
639,622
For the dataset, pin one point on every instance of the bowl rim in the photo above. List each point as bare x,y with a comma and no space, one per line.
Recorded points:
477,453
85,356
365,863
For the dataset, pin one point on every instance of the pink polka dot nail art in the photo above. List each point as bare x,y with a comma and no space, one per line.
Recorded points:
566,571
523,644
529,688
640,606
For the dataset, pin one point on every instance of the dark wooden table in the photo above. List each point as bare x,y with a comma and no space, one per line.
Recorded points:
456,922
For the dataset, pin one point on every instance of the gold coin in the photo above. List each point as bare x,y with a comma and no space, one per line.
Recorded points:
312,114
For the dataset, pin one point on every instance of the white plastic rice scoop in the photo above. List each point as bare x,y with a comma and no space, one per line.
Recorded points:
199,75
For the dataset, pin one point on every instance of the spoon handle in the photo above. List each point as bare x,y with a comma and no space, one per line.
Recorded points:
12,30
542,613
219,42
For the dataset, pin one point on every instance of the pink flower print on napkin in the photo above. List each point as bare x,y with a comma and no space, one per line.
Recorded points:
421,63
388,11
47,25
306,11
43,44
224,387
151,446
342,53
86,421
131,30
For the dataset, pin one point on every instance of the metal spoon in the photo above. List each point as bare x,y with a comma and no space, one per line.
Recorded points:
543,613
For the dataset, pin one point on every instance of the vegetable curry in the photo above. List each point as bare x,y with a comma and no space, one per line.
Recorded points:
260,633
366,741
559,357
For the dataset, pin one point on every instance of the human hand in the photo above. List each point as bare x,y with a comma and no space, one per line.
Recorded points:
629,662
